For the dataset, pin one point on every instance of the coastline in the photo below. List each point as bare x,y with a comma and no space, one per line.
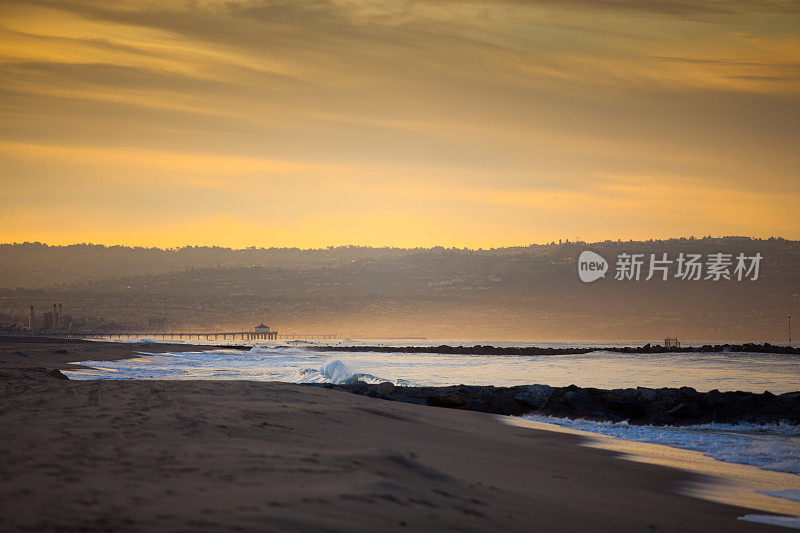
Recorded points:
205,455
59,353
723,482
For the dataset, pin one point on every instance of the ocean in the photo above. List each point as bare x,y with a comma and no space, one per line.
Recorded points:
772,447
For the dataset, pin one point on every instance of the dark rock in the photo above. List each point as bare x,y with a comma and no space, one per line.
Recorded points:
684,411
359,387
452,401
623,395
385,388
578,400
478,405
713,397
646,394
535,396
687,392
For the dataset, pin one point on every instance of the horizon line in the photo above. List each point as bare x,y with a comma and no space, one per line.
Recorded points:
561,242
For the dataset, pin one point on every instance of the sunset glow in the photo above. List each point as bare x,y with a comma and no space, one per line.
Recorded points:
461,123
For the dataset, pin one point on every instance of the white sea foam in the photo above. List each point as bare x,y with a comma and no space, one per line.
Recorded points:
259,363
792,522
771,447
787,494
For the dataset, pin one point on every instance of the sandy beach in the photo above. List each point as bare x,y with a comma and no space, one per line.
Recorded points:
237,455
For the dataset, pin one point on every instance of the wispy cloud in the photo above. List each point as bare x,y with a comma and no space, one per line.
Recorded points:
511,108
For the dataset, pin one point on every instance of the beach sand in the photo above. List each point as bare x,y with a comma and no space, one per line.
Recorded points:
234,455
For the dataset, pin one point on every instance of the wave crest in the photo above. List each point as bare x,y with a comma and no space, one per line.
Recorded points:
336,372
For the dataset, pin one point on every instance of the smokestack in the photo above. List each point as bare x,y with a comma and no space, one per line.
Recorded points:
30,320
59,313
55,317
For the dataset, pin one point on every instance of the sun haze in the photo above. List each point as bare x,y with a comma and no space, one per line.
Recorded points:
467,123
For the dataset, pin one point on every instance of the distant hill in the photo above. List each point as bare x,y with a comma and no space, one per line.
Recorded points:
521,292
36,265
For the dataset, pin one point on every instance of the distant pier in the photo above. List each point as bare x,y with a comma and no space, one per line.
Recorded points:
214,335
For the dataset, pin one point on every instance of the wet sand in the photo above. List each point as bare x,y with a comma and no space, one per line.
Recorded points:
212,456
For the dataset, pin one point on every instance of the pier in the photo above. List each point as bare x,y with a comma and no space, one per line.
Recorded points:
214,335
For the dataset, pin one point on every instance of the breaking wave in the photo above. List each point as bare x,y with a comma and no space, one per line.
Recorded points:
336,372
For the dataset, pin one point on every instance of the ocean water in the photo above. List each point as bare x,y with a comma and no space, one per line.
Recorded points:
299,362
775,447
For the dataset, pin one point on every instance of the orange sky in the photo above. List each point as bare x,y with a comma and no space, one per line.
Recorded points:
458,123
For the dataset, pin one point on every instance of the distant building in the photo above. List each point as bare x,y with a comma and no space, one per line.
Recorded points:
48,321
263,332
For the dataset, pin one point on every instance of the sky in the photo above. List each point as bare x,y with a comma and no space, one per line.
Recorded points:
313,123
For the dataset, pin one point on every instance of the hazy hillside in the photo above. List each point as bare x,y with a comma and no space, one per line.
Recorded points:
529,292
32,265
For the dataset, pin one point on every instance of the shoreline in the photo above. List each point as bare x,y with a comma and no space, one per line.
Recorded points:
203,455
725,482
57,353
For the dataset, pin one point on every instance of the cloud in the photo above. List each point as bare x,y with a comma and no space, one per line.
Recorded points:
691,8
440,110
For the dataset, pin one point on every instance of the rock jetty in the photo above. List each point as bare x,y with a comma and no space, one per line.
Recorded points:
538,350
640,406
